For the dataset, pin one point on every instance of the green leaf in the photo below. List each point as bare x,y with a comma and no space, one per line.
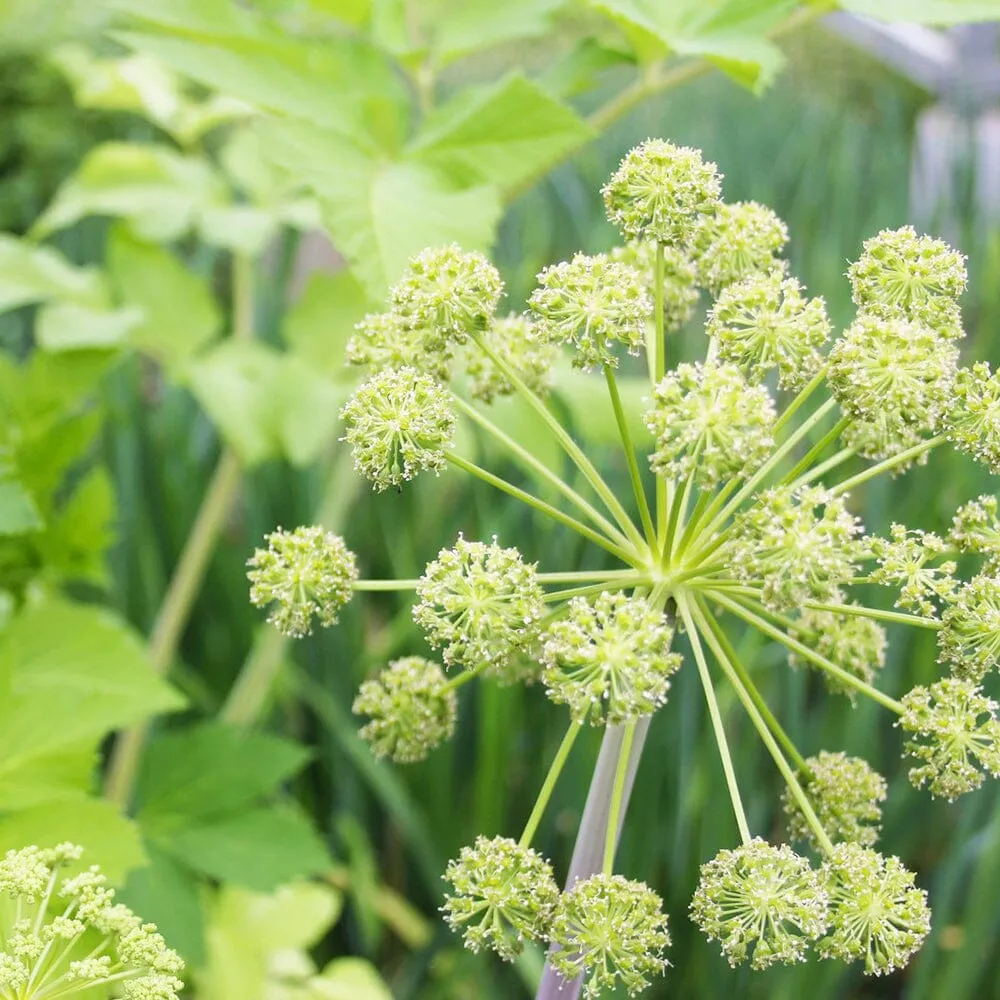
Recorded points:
939,12
379,213
18,510
65,326
467,26
110,839
258,848
504,134
308,407
159,191
31,274
179,314
64,774
211,768
167,894
349,979
319,324
69,673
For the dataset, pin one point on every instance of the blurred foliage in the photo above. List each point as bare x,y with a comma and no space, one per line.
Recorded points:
161,199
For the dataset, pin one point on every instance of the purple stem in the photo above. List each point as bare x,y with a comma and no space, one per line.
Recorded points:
588,852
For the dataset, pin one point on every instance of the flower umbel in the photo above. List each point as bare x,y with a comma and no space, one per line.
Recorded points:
301,574
974,424
680,289
970,634
737,241
515,339
903,562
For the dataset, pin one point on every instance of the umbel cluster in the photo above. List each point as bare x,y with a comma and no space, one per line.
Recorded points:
738,515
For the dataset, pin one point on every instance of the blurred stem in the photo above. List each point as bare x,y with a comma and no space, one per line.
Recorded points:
888,464
718,727
617,797
633,465
768,739
558,762
824,467
186,582
817,449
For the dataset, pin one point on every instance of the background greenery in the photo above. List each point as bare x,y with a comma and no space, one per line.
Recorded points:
112,441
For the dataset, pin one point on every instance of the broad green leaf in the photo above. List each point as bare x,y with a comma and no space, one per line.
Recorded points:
308,408
379,213
168,894
71,672
576,71
241,228
466,26
222,17
109,839
18,511
159,191
36,24
64,774
319,324
65,326
259,848
939,12
179,314
349,979
505,134
30,273
211,768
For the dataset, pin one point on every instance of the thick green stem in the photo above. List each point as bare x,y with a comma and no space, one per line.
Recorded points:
617,798
716,716
633,466
541,803
888,464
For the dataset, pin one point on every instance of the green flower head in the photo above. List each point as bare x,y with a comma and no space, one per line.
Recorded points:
515,340
66,936
974,417
680,283
884,436
502,895
976,528
847,795
660,190
954,732
800,544
710,423
737,241
970,629
593,303
384,340
301,574
411,710
765,322
609,659
480,602
399,423
902,561
903,275
760,902
449,291
876,912
611,930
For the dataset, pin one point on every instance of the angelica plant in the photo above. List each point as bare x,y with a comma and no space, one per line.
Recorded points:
740,515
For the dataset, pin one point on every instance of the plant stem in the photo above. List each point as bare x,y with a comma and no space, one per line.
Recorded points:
658,371
817,449
617,795
540,505
862,611
464,677
716,716
888,464
385,585
588,575
633,465
824,467
594,588
555,769
765,734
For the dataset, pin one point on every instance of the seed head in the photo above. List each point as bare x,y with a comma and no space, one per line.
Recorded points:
970,632
39,948
975,528
385,340
680,286
903,562
399,423
480,602
659,191
515,339
449,291
800,543
894,371
737,241
609,659
765,322
846,794
760,902
974,416
903,275
611,930
300,574
503,895
954,728
709,422
593,303
876,912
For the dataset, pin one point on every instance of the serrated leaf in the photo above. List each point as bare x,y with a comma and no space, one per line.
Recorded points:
65,326
259,848
502,134
179,314
30,274
69,673
109,839
210,768
937,12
